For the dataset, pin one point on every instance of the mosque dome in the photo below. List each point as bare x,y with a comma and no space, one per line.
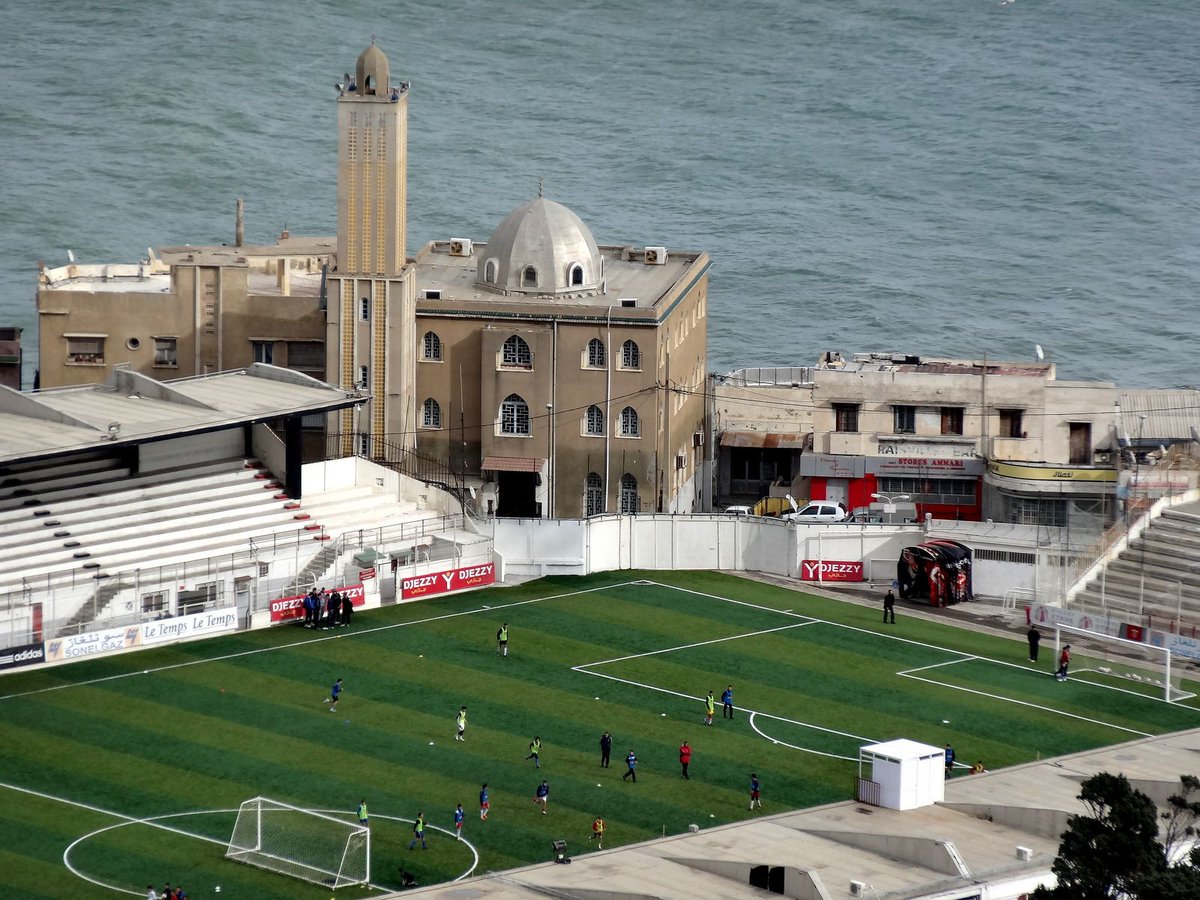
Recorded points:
541,248
371,71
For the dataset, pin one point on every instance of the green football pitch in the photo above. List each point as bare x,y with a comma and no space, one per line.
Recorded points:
129,770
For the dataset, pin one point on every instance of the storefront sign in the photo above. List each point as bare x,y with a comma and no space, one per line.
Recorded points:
287,608
210,621
1050,473
25,655
444,582
923,466
831,570
927,452
94,643
832,466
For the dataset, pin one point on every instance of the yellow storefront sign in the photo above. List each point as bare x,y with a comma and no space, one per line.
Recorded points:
1051,473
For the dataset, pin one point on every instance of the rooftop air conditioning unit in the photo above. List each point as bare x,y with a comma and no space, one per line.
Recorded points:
1024,854
858,888
460,247
697,438
656,256
680,461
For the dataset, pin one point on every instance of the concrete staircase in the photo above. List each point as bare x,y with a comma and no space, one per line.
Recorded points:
1156,579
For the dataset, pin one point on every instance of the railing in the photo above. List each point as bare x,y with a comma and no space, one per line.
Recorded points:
405,460
866,791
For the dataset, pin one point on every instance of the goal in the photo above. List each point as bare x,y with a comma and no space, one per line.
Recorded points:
1139,668
308,845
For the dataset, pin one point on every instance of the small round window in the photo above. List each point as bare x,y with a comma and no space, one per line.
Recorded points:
133,343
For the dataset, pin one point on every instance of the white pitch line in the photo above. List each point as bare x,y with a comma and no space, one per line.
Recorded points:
662,690
732,637
315,640
796,746
949,662
1049,709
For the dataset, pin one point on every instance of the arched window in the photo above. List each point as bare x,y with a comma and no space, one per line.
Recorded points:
631,356
629,495
595,421
431,414
529,277
516,353
593,495
596,357
514,415
489,272
431,346
630,425
575,275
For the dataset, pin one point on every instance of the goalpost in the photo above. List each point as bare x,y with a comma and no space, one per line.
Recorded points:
1144,668
308,845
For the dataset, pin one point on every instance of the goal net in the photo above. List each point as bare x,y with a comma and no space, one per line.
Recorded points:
308,845
1130,665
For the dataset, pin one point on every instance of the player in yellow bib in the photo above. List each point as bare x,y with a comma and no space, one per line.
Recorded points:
710,707
598,833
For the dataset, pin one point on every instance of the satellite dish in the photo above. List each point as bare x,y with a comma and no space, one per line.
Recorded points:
1037,348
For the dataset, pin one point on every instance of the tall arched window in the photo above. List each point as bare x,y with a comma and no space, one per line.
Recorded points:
514,415
431,346
489,271
629,494
529,277
630,425
596,357
631,356
595,421
516,353
431,414
575,275
593,495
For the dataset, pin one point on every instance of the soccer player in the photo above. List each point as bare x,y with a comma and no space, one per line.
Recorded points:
1064,660
630,767
502,640
710,707
889,607
727,703
755,792
605,749
542,796
484,805
334,693
151,893
535,750
363,820
598,833
419,832
1035,638
949,760
685,757
461,721
458,822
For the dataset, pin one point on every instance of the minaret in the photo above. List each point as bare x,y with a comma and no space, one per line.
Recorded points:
376,294
372,169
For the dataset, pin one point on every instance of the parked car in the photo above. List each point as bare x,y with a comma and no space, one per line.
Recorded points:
818,512
738,511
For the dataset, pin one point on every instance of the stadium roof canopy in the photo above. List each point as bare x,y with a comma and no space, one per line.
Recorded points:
131,408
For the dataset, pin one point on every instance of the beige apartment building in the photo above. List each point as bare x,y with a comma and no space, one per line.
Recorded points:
961,439
545,374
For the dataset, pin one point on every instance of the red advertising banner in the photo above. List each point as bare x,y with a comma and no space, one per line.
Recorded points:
287,608
445,582
831,570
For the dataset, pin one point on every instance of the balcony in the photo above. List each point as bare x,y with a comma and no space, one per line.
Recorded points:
846,443
1012,449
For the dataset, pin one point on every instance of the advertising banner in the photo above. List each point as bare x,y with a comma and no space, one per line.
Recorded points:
831,570
445,582
1041,614
25,655
210,621
94,643
1176,643
285,609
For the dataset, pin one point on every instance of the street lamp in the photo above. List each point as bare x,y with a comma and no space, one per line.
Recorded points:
1137,457
549,477
889,503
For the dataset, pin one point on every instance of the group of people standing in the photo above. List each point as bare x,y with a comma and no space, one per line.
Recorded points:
326,609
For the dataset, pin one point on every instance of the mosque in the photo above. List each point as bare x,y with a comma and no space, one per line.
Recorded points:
544,374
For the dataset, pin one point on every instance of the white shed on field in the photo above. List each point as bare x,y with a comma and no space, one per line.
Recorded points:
901,774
